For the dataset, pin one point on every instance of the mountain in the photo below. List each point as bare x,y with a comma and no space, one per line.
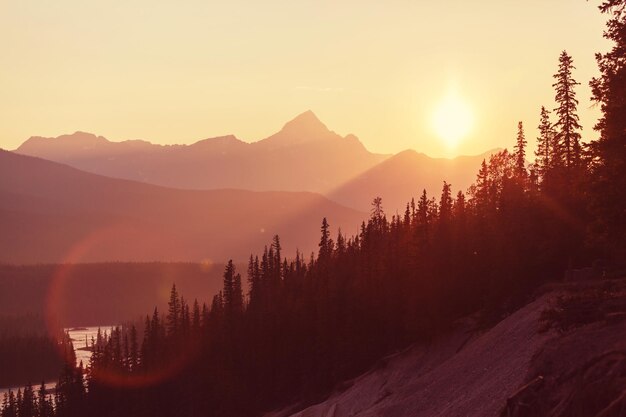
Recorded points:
303,156
405,175
50,212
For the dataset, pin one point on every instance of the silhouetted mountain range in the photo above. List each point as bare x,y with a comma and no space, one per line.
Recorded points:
303,156
50,212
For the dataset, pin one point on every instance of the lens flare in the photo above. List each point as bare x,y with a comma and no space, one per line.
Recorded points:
58,299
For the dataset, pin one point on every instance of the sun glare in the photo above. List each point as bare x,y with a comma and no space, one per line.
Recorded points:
452,119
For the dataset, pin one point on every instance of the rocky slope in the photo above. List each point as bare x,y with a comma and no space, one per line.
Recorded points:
529,364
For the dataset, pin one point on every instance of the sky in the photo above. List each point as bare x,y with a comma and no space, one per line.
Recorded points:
178,72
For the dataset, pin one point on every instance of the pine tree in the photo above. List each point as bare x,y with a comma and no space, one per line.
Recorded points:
173,312
481,188
217,306
185,317
567,126
341,243
445,204
276,273
9,405
29,403
422,209
520,151
609,151
229,288
157,331
377,210
459,205
254,282
44,405
407,215
237,302
546,150
325,244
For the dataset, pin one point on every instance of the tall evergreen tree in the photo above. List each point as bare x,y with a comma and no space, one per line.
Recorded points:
445,204
481,189
609,151
325,244
237,302
567,126
276,273
44,405
254,282
520,151
545,143
377,209
28,404
229,288
173,311
422,208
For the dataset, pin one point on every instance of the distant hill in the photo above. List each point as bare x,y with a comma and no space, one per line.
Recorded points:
405,175
84,293
303,156
53,213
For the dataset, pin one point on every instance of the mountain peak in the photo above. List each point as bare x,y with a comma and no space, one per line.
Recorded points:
61,144
304,128
305,123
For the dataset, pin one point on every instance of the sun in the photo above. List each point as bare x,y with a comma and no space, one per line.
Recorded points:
452,119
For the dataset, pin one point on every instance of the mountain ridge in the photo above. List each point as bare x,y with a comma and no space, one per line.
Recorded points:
304,155
306,127
289,160
50,212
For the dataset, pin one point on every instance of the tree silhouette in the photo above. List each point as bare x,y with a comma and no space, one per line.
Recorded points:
326,244
173,311
609,151
546,144
567,126
520,151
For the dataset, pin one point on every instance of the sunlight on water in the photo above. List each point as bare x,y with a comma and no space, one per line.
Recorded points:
81,338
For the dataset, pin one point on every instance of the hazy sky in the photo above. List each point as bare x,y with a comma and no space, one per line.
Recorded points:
180,71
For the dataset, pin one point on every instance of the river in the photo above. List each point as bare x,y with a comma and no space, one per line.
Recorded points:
81,340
